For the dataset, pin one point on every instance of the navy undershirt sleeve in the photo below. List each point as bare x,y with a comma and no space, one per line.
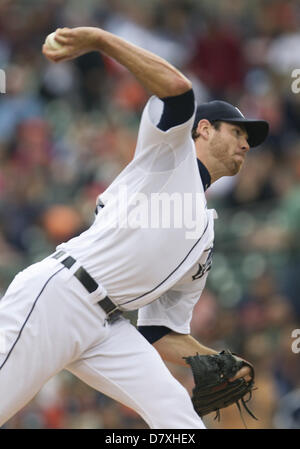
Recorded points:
177,110
153,333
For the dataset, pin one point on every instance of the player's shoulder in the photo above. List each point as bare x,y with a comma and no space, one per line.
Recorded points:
164,119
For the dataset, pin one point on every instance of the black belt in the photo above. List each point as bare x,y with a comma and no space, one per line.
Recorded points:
112,311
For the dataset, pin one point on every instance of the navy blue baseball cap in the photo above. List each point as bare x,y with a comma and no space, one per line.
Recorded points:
225,112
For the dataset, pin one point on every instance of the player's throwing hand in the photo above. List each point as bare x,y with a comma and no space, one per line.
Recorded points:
73,43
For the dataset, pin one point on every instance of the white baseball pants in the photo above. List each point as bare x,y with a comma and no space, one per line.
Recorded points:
49,322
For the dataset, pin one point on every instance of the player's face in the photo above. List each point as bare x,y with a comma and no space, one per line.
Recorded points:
229,146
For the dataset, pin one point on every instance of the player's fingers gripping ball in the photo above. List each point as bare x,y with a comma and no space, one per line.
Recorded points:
213,389
65,43
51,43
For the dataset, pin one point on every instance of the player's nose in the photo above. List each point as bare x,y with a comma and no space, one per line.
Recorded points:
245,145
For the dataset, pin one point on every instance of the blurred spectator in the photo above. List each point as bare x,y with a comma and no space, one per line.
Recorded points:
288,414
218,60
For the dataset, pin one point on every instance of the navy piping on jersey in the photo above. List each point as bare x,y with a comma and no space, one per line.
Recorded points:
175,269
27,318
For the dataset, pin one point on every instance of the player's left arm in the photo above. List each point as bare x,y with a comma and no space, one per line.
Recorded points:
173,346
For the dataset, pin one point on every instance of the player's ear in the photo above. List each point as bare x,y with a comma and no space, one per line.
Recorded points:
204,129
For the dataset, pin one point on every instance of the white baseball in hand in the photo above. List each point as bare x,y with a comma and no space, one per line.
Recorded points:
51,43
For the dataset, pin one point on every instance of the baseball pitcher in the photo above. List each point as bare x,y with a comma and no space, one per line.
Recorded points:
149,248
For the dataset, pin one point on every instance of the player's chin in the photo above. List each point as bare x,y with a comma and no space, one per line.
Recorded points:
235,167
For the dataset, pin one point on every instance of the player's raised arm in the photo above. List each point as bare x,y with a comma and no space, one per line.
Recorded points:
154,73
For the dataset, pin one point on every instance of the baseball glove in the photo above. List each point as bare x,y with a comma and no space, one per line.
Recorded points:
212,390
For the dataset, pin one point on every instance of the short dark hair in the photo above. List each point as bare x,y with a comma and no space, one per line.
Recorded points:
216,124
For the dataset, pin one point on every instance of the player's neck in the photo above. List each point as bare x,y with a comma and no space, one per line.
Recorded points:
215,170
214,165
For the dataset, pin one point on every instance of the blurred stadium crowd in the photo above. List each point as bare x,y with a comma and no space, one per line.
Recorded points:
67,130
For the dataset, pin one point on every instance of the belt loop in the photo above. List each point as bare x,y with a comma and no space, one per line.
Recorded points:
58,254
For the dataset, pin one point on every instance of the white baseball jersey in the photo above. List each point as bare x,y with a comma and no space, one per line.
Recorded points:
137,265
49,321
